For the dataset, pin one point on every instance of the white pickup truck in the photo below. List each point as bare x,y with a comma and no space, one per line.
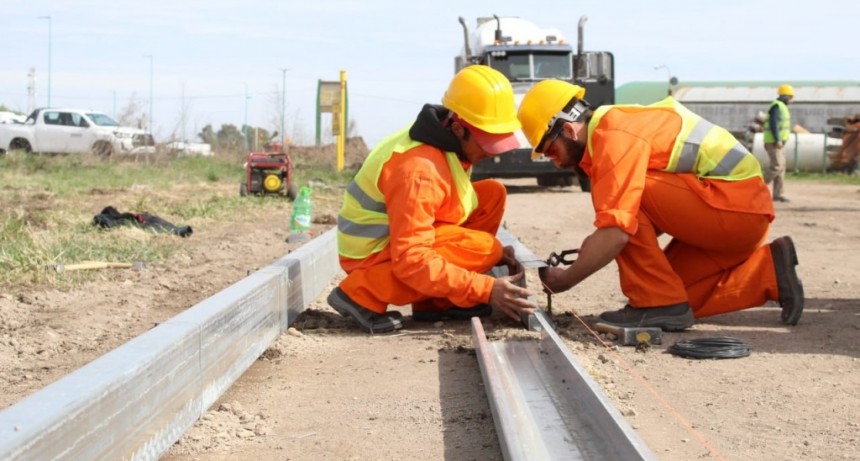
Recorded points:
73,131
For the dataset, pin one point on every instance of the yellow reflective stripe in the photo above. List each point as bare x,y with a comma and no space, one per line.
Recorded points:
368,176
748,167
701,148
371,223
372,231
784,126
723,157
729,162
362,225
364,200
784,122
690,148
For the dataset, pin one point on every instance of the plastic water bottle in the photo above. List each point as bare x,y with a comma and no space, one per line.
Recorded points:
300,221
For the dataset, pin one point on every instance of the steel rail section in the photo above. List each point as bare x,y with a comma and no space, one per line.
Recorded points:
137,400
525,257
546,407
544,404
527,262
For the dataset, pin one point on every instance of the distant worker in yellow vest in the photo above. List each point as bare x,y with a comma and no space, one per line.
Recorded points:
414,229
777,128
662,169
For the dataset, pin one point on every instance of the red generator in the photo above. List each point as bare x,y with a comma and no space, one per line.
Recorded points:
269,173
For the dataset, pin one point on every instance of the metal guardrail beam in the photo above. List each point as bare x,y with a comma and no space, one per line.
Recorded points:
137,400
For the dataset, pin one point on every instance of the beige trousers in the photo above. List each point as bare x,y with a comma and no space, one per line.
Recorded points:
775,172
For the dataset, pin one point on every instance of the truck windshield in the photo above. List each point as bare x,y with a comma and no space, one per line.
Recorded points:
533,66
552,66
102,119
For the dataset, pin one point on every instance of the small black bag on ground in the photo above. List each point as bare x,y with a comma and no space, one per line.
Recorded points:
110,217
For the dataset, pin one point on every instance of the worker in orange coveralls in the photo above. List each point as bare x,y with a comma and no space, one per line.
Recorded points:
663,169
414,228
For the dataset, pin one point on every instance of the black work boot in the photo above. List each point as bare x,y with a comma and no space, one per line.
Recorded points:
454,313
674,317
369,321
788,283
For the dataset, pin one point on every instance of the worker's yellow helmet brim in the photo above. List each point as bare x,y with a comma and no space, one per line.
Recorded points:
541,104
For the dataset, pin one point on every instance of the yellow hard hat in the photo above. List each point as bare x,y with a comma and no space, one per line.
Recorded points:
785,90
542,103
484,98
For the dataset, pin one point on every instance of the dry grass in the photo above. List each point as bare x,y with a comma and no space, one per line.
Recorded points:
47,205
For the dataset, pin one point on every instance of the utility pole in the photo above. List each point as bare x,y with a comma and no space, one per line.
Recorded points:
245,123
150,92
31,90
283,104
49,56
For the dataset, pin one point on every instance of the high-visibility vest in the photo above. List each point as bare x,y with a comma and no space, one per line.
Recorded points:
363,225
701,148
784,123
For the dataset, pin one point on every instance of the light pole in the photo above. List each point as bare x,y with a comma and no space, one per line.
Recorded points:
672,80
150,91
283,101
49,56
245,123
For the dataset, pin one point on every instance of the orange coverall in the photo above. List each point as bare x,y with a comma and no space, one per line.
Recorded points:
716,260
429,261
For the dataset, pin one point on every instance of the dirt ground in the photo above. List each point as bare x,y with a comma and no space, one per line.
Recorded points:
325,390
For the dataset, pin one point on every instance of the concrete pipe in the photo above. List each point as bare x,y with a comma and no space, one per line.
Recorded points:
806,152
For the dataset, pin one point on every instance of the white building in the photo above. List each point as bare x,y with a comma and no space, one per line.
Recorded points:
734,105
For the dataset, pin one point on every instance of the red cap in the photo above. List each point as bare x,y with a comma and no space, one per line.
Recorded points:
492,143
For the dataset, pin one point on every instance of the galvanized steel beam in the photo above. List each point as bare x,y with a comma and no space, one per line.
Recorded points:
137,400
546,407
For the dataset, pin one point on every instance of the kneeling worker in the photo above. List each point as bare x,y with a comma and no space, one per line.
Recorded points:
415,229
663,169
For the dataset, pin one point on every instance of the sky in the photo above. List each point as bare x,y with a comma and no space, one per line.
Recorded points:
222,61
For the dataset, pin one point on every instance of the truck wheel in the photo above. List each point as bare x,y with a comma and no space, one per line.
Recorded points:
103,149
585,184
20,144
243,189
292,192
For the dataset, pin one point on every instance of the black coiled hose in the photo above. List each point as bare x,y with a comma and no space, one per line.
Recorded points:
722,347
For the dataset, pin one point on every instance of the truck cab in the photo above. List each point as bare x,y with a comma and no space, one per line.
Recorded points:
526,54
